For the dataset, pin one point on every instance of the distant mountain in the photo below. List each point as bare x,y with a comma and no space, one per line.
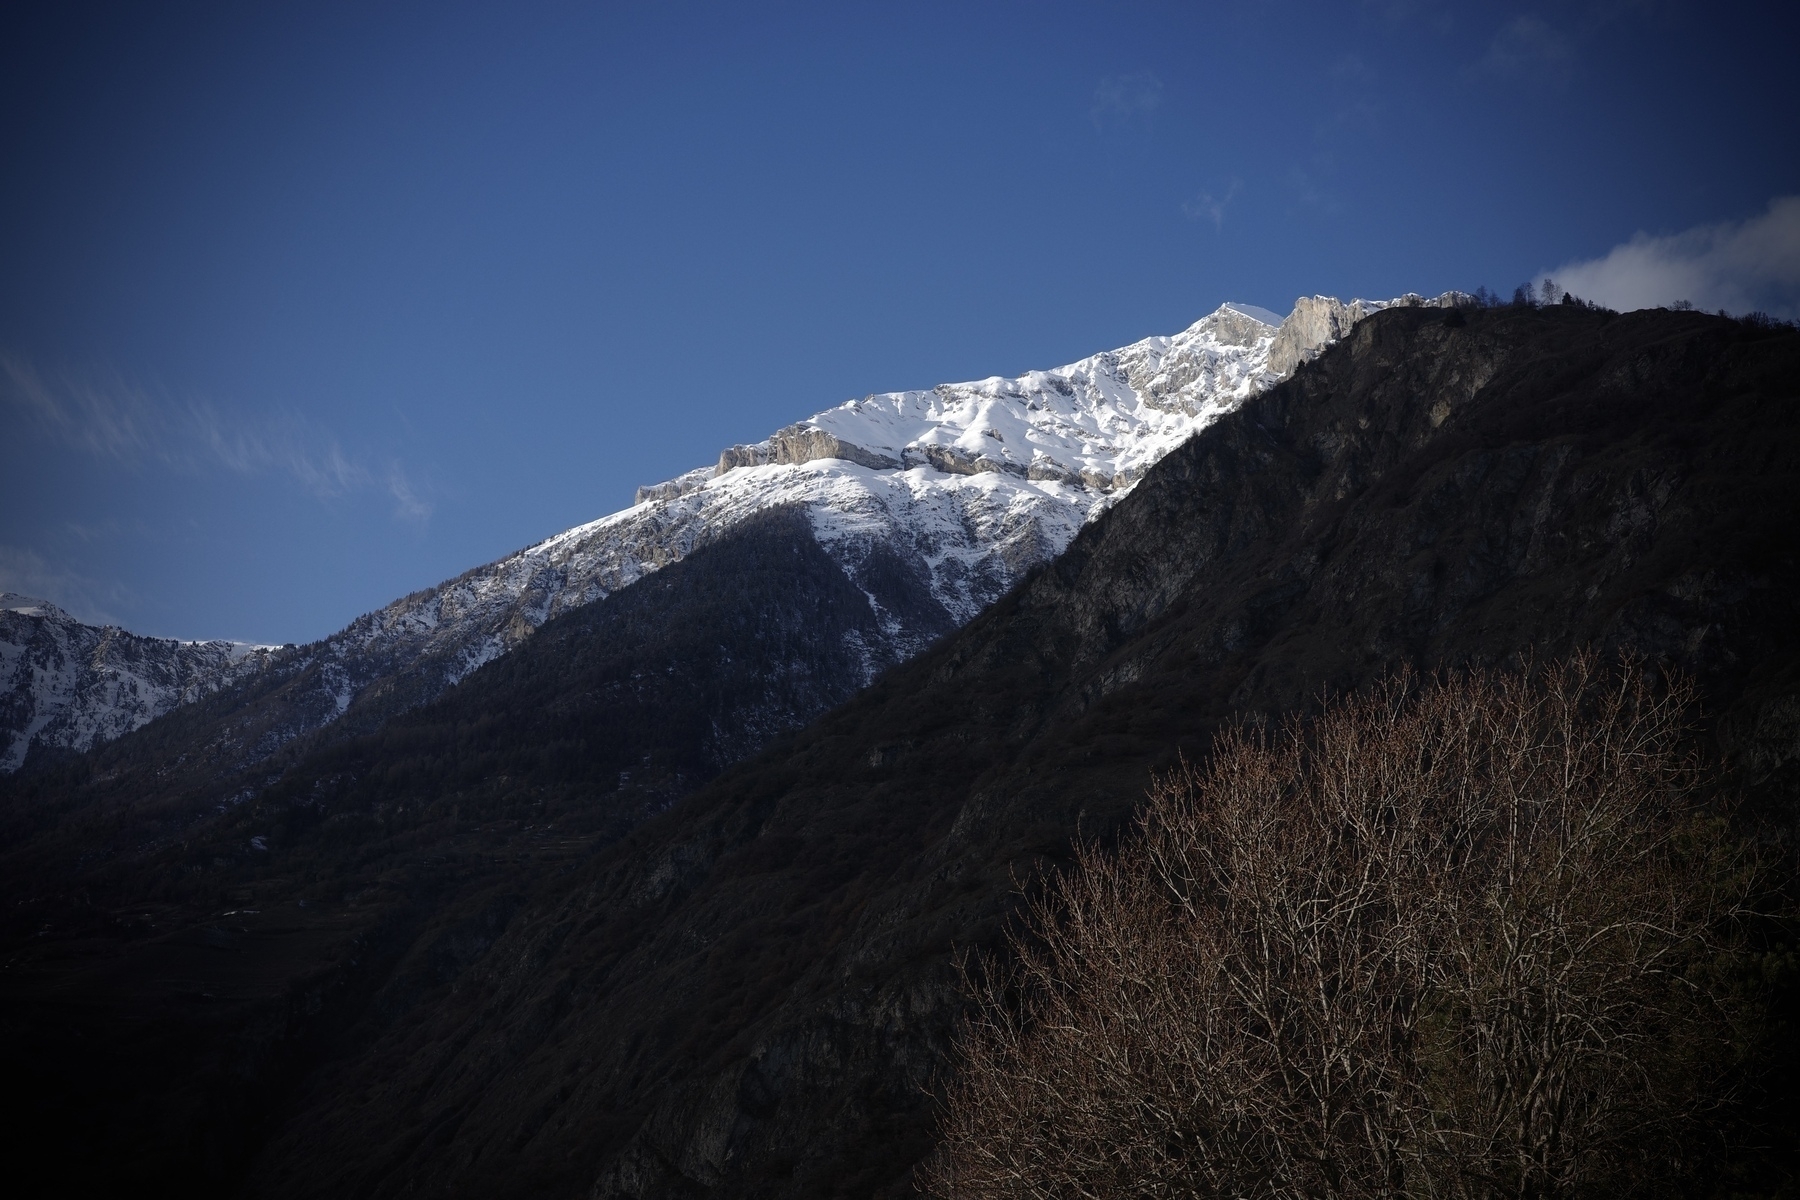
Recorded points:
961,489
66,685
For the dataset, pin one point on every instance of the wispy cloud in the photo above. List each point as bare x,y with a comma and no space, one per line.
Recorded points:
1740,266
407,502
28,573
1209,207
1528,50
1432,13
111,417
1124,97
1348,115
1310,187
107,418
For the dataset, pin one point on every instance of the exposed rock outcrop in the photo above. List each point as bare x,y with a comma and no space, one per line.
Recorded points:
1318,321
681,485
733,457
954,460
806,443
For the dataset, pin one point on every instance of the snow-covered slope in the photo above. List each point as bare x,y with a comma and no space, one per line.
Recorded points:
934,502
70,685
970,485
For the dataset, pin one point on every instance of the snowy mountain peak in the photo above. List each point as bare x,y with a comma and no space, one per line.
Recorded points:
970,484
1093,425
933,502
29,606
1263,315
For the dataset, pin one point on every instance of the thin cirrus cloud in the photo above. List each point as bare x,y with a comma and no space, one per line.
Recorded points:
108,416
1527,49
1208,207
1739,266
26,572
1124,97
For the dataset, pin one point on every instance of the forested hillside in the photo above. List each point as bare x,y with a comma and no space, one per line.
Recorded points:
465,975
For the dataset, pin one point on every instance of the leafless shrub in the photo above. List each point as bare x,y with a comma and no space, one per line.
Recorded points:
1449,938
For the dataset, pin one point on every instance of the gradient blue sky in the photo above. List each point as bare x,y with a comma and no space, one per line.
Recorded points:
303,307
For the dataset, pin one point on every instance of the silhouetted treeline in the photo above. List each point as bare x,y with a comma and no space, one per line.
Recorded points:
1548,293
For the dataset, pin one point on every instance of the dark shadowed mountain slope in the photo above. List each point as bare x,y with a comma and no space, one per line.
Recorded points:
488,993
748,995
171,964
240,742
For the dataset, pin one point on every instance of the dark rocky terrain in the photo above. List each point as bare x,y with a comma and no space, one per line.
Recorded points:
171,959
66,686
504,982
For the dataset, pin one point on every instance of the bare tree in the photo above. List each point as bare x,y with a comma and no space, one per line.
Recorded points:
1446,939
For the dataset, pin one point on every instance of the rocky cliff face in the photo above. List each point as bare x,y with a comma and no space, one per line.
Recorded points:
1319,321
65,685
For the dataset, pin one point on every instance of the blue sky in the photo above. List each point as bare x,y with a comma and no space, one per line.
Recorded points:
303,307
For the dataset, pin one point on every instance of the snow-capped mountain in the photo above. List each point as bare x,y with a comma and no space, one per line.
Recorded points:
70,685
943,498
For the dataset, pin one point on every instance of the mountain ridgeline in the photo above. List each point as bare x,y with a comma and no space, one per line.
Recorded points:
966,487
66,685
591,924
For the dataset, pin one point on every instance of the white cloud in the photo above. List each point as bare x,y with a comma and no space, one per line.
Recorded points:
407,504
1426,12
1349,115
1531,50
1741,266
1206,206
1121,97
1310,187
107,416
